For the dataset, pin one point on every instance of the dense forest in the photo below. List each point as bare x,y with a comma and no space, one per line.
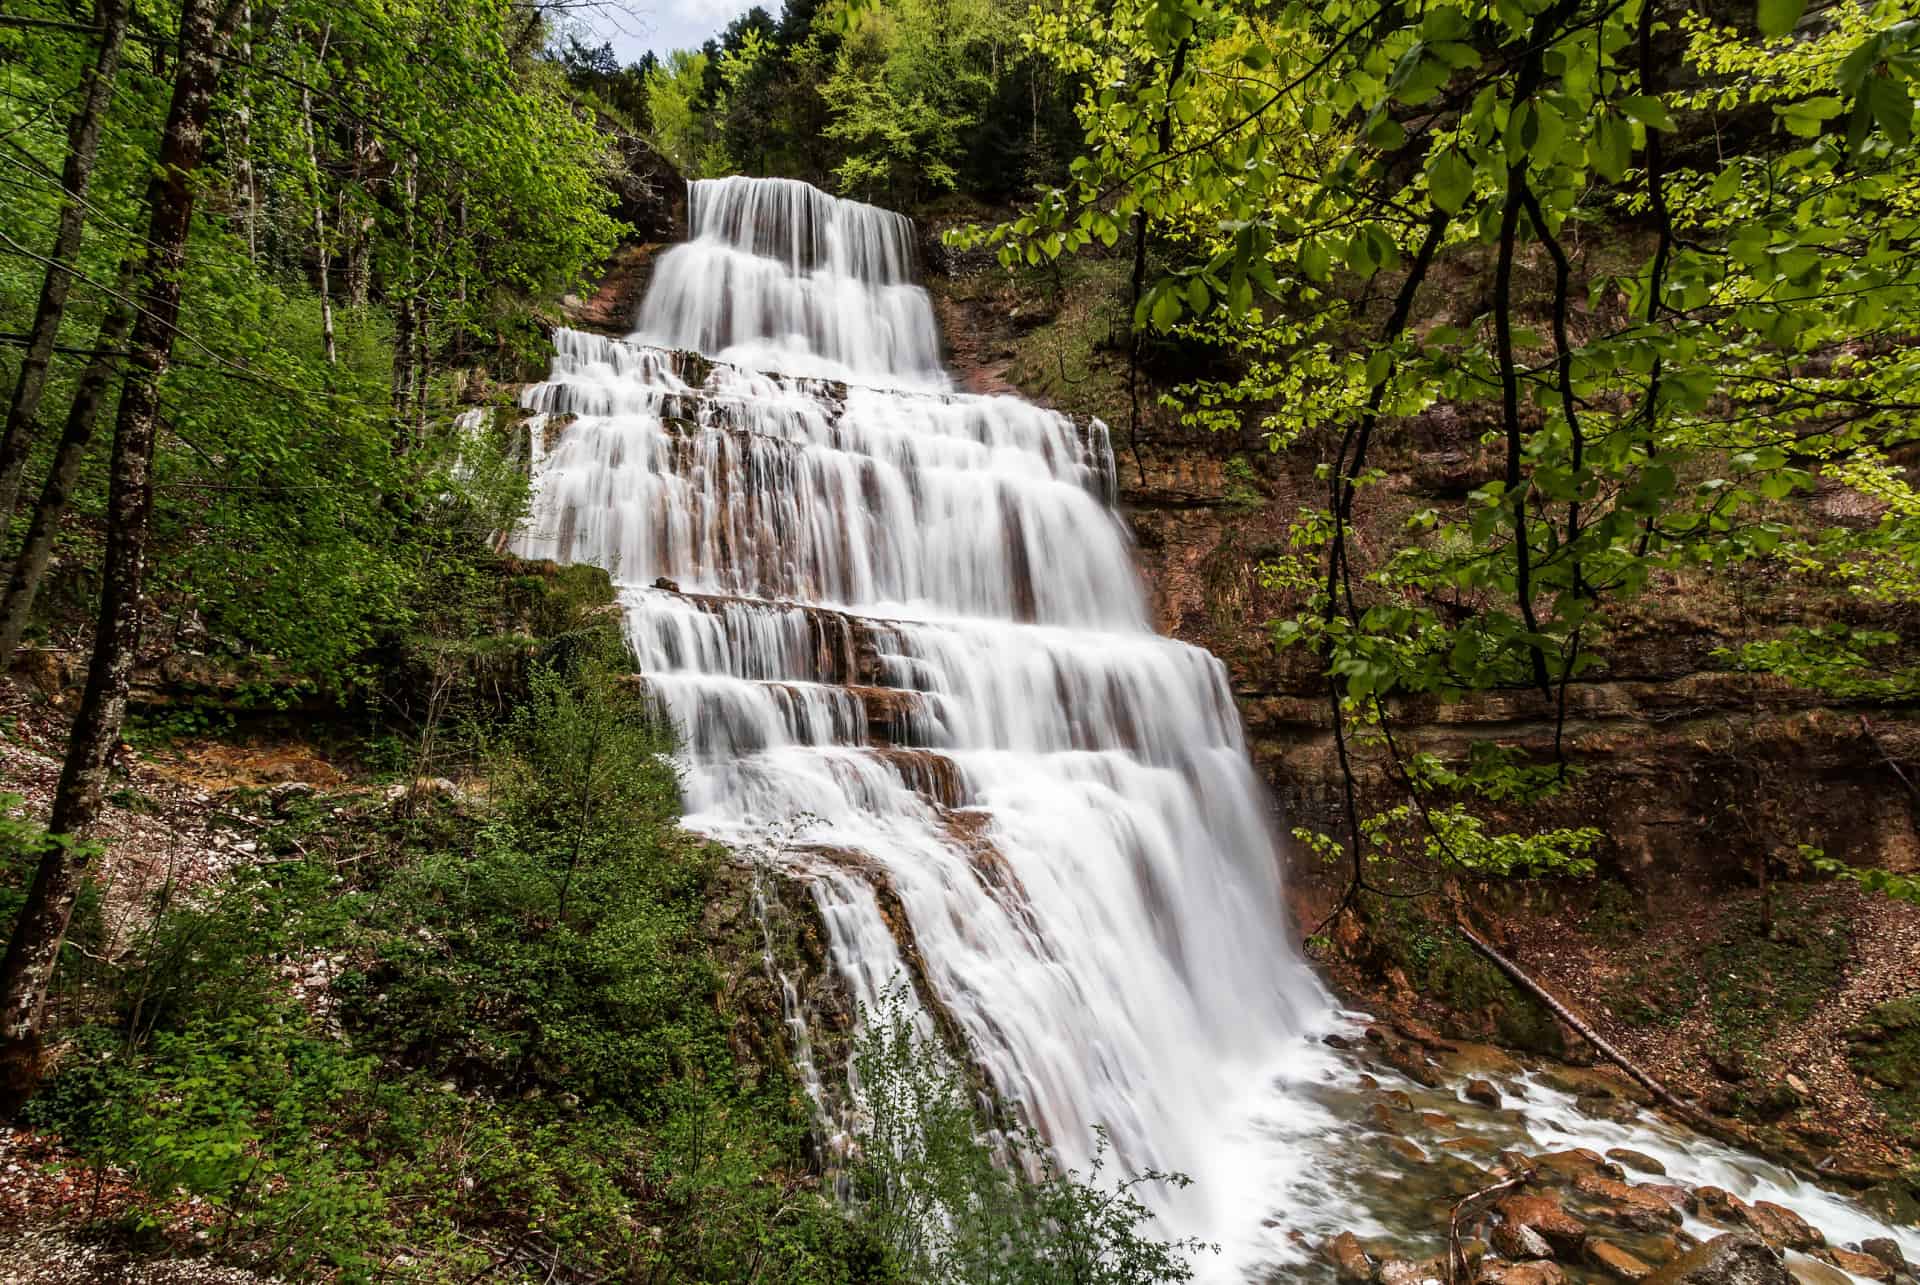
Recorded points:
273,274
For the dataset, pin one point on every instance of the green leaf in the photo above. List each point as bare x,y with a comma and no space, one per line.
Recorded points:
1778,17
1610,147
1450,179
1648,110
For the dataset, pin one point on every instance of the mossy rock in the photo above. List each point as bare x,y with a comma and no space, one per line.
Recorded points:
1884,1049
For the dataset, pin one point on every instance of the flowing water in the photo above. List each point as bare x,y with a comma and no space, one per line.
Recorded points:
907,621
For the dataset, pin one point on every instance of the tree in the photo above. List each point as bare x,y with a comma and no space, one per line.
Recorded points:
206,27
1303,171
110,16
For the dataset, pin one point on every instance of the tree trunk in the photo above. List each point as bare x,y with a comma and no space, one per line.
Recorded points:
83,141
319,208
31,566
33,950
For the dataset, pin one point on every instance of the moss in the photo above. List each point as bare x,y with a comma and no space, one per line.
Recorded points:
1757,983
1884,1049
1442,966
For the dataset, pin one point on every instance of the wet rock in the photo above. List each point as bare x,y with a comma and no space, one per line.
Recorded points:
1436,1120
1381,1116
1627,1205
1733,1259
1538,1272
1720,1205
1399,1271
1566,1166
1639,1161
1811,1271
1483,1092
1545,1215
1407,1150
1397,1099
1413,1064
1886,1250
1679,1197
1336,1041
1350,1262
1615,1261
1861,1264
1782,1226
1517,1240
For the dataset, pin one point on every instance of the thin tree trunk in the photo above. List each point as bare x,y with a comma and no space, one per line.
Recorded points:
406,319
319,208
83,141
243,175
34,949
31,566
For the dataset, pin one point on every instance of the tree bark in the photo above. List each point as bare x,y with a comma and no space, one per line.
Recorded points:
30,567
83,142
319,207
34,949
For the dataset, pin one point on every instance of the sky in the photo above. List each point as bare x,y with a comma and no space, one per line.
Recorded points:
635,26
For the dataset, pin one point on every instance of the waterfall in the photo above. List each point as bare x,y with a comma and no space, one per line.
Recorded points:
912,618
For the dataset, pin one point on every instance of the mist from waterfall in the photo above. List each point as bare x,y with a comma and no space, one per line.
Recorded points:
912,617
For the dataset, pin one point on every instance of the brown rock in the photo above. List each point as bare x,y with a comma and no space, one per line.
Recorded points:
1887,1251
1517,1240
1542,1271
1565,1166
1677,1196
1860,1264
1397,1099
1721,1205
1381,1116
1811,1271
1733,1259
1782,1226
1413,1064
1638,1161
1350,1262
1406,1150
1615,1261
1483,1092
1544,1214
1399,1271
1436,1120
1627,1205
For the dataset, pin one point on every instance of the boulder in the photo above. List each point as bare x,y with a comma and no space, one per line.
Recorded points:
1736,1258
1566,1166
1887,1250
1674,1194
1350,1262
1638,1161
1783,1227
1865,1265
1615,1261
1627,1205
1483,1092
1517,1240
1545,1215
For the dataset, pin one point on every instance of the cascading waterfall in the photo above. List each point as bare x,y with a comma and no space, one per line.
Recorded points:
912,617
907,621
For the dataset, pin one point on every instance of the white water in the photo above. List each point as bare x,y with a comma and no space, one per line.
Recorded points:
911,618
889,586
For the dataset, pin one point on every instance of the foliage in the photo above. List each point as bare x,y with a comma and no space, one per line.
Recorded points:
490,1035
1663,403
952,1200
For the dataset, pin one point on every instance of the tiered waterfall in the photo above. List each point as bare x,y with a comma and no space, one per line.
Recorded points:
907,621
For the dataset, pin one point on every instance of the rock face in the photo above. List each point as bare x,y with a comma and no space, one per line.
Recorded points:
649,192
1732,1259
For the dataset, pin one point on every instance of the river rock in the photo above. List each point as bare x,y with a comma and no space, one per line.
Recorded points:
1782,1226
1887,1251
1627,1205
1639,1161
1407,1150
1737,1258
1541,1271
1811,1271
1679,1197
1517,1240
1350,1262
1566,1166
1615,1261
1545,1215
1861,1264
1399,1271
1483,1092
